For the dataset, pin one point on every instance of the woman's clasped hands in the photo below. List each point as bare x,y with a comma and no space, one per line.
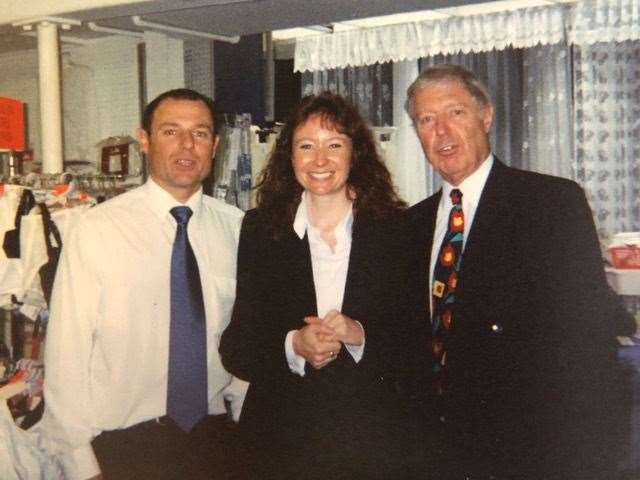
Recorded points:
321,339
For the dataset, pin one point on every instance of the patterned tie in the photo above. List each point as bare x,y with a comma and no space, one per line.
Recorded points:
187,384
445,279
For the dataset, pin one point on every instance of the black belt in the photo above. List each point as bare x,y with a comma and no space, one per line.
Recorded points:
168,422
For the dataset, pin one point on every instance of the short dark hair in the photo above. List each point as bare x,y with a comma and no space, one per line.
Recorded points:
177,94
448,73
279,192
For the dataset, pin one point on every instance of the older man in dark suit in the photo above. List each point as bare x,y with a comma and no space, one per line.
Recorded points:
519,344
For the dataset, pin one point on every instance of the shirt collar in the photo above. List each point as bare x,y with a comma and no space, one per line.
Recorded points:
301,220
472,186
161,201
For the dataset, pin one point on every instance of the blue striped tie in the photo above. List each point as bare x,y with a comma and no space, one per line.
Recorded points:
187,384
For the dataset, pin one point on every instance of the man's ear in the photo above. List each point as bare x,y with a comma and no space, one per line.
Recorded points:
487,118
216,140
143,139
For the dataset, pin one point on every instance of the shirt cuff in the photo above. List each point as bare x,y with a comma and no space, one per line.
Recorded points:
296,362
357,351
234,393
80,464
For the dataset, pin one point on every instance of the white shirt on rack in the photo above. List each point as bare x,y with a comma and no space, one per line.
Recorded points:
471,188
329,275
10,268
107,342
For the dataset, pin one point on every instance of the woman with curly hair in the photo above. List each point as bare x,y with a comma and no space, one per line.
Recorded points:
317,326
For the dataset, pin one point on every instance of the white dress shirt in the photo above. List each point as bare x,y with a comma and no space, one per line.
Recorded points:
471,188
107,344
329,274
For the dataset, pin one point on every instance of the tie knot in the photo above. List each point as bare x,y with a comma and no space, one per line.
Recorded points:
181,214
456,196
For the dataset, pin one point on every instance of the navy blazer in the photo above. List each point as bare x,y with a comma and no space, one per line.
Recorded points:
338,419
532,350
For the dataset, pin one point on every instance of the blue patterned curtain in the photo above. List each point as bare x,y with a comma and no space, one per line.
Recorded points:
607,124
501,72
370,88
531,92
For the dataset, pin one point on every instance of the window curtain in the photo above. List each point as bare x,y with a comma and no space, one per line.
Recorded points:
547,123
593,21
579,100
369,88
501,72
414,46
410,170
607,122
522,28
531,93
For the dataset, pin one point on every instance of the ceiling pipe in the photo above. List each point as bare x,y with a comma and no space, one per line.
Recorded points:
183,31
116,31
65,23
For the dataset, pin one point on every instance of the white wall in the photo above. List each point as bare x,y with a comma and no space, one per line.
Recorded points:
165,63
100,86
100,93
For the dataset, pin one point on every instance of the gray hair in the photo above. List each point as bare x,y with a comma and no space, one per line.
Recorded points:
447,73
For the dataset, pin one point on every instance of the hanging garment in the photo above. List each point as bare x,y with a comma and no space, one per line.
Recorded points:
47,271
34,244
10,196
21,456
10,266
11,242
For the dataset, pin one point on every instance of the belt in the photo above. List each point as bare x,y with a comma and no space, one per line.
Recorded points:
168,422
164,421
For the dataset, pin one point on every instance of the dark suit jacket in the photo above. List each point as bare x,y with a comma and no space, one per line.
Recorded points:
339,420
532,348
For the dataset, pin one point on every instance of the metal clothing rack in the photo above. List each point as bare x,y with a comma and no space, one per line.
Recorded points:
98,185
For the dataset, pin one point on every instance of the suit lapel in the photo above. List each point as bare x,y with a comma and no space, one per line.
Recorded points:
360,260
488,228
424,225
296,253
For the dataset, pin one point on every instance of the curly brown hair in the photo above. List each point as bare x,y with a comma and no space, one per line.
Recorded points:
278,191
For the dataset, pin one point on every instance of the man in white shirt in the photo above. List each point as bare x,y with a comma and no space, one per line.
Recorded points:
509,286
108,359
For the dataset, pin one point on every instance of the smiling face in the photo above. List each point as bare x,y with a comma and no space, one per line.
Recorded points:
180,146
321,158
453,129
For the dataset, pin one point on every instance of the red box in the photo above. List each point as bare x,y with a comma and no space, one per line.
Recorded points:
625,257
12,131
